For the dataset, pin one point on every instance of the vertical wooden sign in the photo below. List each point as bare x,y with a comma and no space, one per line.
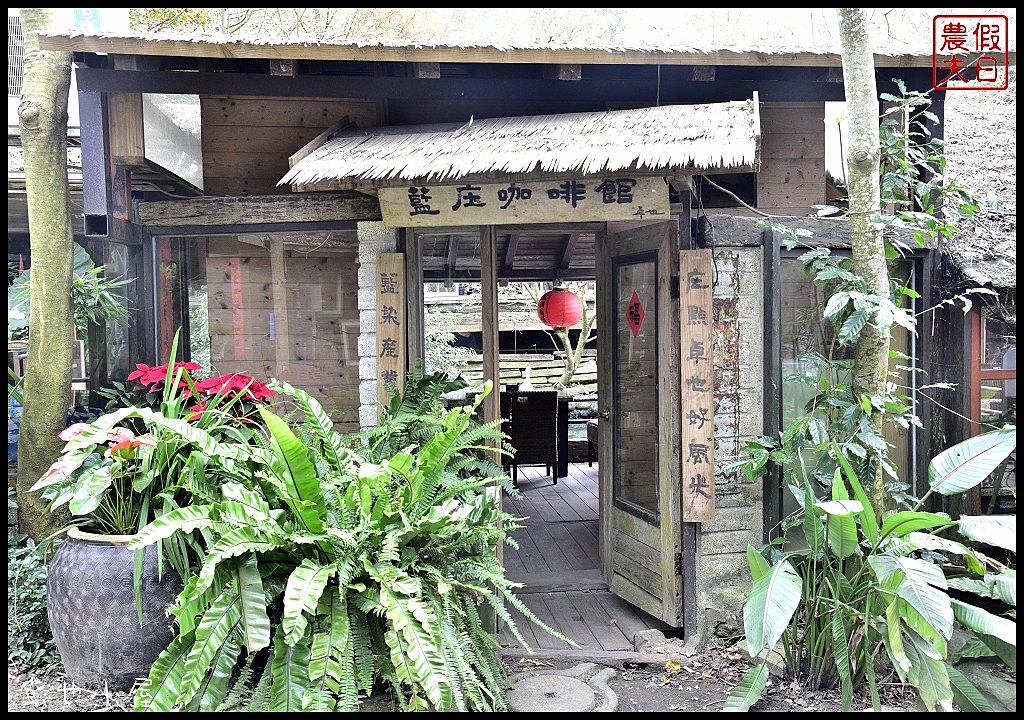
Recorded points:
697,385
391,350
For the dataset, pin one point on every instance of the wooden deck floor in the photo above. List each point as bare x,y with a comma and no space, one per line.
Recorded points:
559,561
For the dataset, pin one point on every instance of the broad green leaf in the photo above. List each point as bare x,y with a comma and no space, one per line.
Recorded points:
965,695
1006,652
302,594
223,617
160,691
184,520
749,689
894,632
814,530
290,670
983,622
841,654
900,523
930,678
966,464
841,526
769,607
329,654
415,651
302,484
973,648
759,567
255,621
90,490
997,530
215,686
918,588
868,521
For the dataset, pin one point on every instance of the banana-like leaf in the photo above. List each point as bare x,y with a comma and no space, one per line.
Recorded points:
905,522
841,527
301,482
769,607
1001,587
814,531
290,670
749,689
894,636
931,680
1005,651
302,594
868,521
160,691
759,567
966,464
841,654
965,695
919,588
252,597
983,622
997,530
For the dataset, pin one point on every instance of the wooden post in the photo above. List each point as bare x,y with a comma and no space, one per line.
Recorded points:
491,406
697,385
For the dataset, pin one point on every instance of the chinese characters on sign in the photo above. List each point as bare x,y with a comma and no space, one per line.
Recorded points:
390,325
581,199
697,386
970,52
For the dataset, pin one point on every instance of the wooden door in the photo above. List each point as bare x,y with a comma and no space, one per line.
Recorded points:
639,470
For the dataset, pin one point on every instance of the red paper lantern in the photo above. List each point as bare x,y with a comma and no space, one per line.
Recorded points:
560,308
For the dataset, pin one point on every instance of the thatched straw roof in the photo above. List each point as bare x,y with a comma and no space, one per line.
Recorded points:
722,137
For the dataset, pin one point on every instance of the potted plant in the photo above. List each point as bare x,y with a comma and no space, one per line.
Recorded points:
335,565
107,603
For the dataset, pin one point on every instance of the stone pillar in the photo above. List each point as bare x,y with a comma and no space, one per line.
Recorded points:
374,238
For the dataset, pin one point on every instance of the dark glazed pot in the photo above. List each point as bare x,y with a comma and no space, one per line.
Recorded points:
92,613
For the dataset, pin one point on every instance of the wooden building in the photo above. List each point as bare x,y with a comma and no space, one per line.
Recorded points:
285,202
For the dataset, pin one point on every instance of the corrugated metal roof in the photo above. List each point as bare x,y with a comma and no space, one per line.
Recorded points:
722,137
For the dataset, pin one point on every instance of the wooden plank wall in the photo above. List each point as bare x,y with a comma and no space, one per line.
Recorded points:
315,302
247,140
792,176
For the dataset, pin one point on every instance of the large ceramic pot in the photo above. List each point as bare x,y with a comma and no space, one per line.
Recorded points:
92,611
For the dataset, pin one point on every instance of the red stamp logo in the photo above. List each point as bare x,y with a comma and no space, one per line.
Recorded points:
970,52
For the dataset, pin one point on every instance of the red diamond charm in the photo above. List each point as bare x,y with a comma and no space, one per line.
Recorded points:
635,314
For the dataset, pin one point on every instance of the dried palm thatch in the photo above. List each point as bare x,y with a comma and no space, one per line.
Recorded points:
722,137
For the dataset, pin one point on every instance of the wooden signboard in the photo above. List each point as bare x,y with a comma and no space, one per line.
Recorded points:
580,199
390,325
697,385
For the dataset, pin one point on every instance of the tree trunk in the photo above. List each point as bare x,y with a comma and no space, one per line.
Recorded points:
43,121
871,354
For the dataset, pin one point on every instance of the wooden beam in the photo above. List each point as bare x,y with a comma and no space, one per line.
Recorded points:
311,207
564,72
284,68
510,252
127,136
567,248
428,70
452,262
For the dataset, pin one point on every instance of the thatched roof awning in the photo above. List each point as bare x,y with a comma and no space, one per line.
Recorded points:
667,140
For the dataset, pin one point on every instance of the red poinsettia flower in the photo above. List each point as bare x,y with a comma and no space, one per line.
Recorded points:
234,384
150,376
197,411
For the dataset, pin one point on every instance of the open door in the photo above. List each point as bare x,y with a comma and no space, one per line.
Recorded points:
639,469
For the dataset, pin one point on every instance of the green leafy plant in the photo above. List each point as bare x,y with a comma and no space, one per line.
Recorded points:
30,644
857,586
348,563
